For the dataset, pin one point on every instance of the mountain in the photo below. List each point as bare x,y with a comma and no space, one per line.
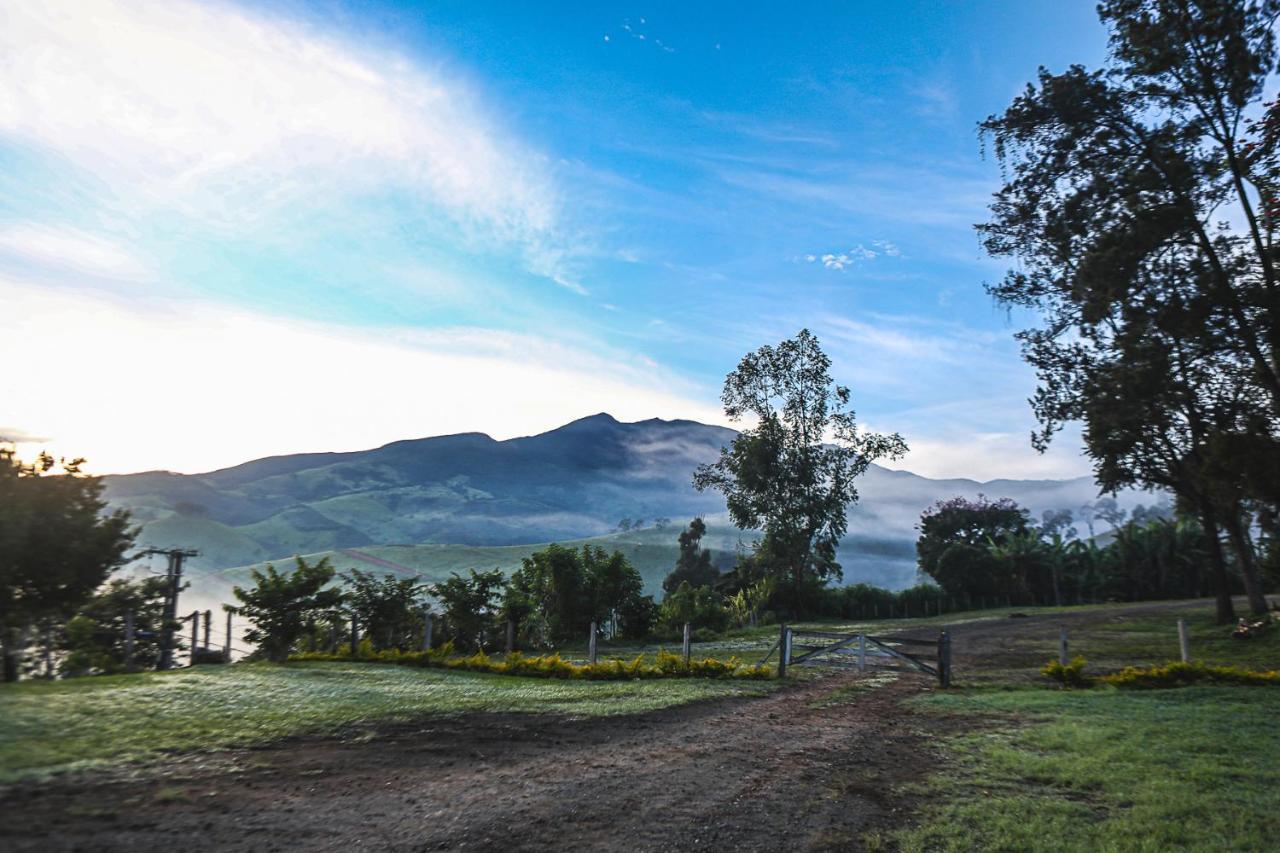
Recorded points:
472,493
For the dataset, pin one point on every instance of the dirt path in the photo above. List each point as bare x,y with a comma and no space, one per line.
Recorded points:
814,766
811,767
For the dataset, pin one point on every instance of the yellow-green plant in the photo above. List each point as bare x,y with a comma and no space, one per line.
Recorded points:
1179,674
1068,674
667,665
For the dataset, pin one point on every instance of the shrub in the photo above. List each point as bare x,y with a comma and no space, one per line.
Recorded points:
1069,674
1180,674
667,665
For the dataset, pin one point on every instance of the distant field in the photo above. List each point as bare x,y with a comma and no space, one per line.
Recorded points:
56,726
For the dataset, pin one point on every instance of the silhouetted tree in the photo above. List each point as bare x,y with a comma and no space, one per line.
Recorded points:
56,548
955,543
1161,327
792,475
693,566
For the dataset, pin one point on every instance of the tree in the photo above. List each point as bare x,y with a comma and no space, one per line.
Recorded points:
390,609
550,592
558,592
1109,511
471,605
614,587
1058,522
94,639
955,540
694,563
1028,565
56,548
1161,326
282,606
793,474
700,608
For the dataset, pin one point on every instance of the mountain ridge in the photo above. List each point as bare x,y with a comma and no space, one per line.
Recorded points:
570,483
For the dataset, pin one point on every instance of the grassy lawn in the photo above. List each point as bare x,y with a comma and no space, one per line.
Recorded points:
50,727
1188,769
1106,769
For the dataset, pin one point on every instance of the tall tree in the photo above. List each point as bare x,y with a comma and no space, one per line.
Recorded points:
792,475
57,546
694,563
1161,326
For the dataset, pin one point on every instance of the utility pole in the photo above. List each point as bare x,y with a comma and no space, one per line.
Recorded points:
173,576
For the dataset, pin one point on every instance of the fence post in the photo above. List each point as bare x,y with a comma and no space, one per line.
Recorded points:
128,641
195,636
944,659
783,637
426,630
862,652
208,624
226,647
591,643
1183,646
511,636
688,642
1062,647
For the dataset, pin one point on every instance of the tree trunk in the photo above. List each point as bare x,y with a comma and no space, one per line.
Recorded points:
10,650
1221,582
1243,548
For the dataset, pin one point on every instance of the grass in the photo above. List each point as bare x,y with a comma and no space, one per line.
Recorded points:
1189,769
1194,768
49,727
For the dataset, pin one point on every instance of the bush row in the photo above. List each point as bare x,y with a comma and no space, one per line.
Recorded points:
1176,674
666,665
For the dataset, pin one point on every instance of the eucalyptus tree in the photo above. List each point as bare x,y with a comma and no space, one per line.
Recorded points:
1160,324
792,473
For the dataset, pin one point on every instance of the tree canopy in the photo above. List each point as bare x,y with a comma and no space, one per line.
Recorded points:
57,546
792,475
282,606
1160,324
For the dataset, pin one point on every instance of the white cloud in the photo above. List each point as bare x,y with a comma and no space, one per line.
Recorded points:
988,456
71,250
225,113
858,254
192,386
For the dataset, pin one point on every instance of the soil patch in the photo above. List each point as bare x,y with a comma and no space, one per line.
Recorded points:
792,770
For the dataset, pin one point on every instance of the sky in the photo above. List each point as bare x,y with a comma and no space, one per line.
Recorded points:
231,230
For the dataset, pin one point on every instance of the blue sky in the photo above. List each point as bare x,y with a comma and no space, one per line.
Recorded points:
229,230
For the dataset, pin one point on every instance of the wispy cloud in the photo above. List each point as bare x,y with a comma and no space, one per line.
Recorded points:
13,435
858,254
232,115
71,250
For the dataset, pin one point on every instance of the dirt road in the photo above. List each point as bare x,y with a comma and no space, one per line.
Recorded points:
814,766
808,768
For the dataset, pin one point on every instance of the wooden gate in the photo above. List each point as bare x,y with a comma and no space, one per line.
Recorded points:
804,647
